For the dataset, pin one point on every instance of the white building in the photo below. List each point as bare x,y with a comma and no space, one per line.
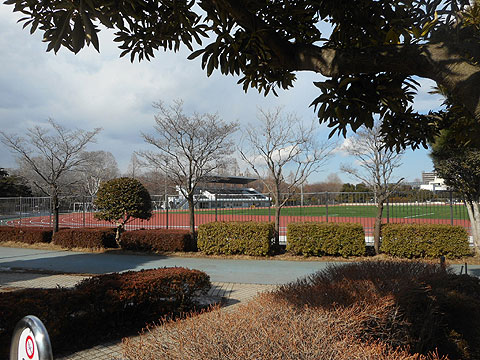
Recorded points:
437,184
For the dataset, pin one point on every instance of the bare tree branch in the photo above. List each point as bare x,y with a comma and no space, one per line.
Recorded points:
375,166
278,143
190,147
50,154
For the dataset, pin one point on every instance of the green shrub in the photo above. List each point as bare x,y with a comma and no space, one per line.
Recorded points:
425,240
94,238
248,238
158,240
318,239
121,201
28,235
102,307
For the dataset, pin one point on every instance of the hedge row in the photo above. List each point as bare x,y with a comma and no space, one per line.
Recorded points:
247,238
252,238
102,307
30,235
158,240
318,239
425,240
95,238
142,240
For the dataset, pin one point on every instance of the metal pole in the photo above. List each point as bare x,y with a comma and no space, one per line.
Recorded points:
216,208
326,205
83,207
451,208
269,210
388,212
301,195
166,209
51,209
21,206
30,340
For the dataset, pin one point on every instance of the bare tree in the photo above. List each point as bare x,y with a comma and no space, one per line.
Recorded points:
134,169
99,167
332,183
376,164
190,148
276,144
51,154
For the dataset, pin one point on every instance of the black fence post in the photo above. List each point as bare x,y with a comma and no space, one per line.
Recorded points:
51,210
388,211
269,210
21,208
451,208
216,208
326,205
84,204
166,210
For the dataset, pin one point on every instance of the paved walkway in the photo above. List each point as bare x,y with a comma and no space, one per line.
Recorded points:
234,281
229,294
219,270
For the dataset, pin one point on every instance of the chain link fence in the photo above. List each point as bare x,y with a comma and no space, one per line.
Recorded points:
171,211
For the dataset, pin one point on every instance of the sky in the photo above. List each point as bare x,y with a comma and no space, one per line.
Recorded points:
92,89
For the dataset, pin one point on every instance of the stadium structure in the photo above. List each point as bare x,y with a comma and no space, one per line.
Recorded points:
210,195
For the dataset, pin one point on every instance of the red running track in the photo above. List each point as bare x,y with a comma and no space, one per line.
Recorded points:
181,221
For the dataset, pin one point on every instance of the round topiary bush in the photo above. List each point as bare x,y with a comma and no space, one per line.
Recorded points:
122,200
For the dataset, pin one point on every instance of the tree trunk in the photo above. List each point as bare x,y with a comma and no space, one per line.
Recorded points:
191,208
277,226
276,233
474,216
118,233
377,228
55,210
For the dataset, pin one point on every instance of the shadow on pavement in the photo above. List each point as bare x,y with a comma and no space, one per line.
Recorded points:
82,263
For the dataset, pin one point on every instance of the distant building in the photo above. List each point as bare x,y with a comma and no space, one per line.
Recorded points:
437,184
427,177
209,197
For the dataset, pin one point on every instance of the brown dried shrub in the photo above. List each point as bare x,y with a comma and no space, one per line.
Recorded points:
370,310
431,308
103,307
28,235
158,240
265,329
94,238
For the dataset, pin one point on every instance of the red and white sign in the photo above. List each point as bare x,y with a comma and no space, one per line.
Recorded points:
27,347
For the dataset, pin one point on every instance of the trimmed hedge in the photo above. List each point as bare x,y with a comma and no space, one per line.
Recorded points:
94,238
28,235
158,240
318,239
425,240
247,238
102,307
7,233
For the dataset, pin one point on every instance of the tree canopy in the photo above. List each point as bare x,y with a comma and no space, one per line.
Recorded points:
369,50
121,201
12,185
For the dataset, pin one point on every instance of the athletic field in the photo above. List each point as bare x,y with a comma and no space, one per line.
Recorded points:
362,214
410,211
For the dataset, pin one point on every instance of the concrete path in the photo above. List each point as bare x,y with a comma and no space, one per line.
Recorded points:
220,270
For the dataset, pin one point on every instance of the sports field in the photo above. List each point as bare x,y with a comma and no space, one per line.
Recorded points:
409,211
362,214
